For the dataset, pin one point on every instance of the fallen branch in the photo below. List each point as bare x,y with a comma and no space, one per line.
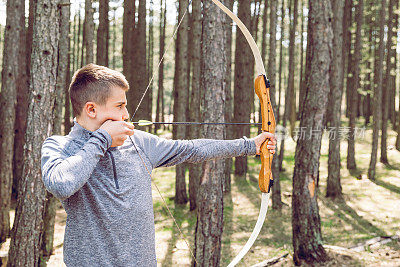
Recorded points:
374,242
271,261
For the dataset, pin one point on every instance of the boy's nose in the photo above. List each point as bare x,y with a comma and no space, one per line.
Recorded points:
125,115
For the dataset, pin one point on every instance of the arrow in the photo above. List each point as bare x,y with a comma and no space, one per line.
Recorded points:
148,123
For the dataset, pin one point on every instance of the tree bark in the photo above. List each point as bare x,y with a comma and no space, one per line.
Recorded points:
63,51
79,56
103,34
388,85
181,94
22,98
347,23
281,152
280,72
160,93
301,80
276,189
291,103
393,62
195,99
128,31
114,37
264,52
254,21
333,186
307,238
228,95
28,223
243,83
14,38
88,32
352,88
377,109
138,67
150,59
209,224
368,81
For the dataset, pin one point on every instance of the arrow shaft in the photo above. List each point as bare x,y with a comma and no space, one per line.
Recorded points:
200,123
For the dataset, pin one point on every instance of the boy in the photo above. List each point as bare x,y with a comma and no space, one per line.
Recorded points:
100,178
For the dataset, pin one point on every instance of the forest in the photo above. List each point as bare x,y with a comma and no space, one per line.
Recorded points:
321,75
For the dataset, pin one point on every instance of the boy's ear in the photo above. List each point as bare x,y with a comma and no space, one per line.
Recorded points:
90,109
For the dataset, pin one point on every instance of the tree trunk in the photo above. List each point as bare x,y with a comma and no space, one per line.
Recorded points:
307,238
393,74
352,88
264,51
150,59
280,72
276,189
160,93
79,56
88,32
71,61
70,69
291,97
67,101
387,88
228,95
63,51
181,98
397,128
377,109
114,38
281,86
254,21
127,32
333,186
138,67
195,99
209,224
243,83
347,23
22,99
307,69
264,35
368,83
301,82
103,34
12,73
28,223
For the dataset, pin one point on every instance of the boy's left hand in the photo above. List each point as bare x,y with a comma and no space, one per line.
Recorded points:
261,138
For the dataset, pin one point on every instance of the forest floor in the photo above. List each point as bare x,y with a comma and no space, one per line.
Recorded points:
369,209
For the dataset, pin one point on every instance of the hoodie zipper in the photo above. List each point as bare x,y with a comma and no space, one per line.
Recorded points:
114,169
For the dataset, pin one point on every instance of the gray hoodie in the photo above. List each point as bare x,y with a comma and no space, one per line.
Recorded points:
106,191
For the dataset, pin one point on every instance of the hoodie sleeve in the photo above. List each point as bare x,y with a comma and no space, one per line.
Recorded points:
62,174
163,153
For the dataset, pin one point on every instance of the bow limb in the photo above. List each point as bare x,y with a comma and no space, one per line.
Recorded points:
268,124
256,52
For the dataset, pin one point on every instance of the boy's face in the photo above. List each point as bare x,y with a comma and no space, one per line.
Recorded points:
115,107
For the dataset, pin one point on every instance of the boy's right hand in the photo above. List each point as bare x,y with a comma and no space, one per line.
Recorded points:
118,130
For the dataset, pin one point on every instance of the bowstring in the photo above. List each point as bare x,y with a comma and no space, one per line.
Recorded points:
165,203
137,150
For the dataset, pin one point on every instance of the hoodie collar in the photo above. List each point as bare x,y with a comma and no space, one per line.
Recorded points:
78,132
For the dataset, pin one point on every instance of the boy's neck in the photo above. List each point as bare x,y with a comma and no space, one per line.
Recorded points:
87,124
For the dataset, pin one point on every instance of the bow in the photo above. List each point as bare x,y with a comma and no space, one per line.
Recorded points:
261,85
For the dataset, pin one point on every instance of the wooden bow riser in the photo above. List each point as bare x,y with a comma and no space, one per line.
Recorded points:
261,86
